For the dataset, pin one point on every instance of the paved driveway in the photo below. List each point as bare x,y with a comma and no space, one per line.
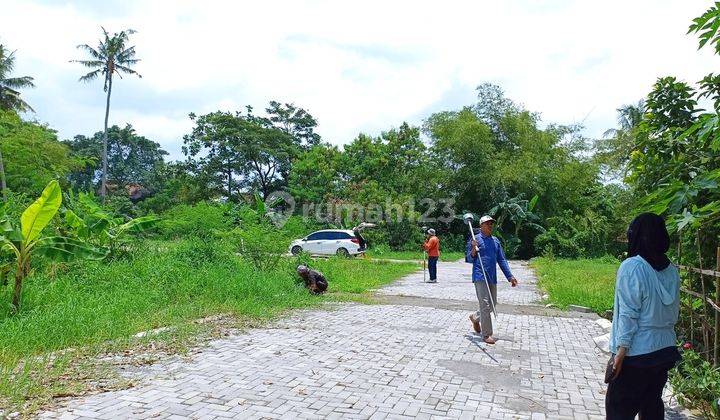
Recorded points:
411,356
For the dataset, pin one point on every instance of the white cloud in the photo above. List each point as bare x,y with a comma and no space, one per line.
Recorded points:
355,66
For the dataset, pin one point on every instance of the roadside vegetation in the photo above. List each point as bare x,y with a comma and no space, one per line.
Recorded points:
166,242
584,282
109,278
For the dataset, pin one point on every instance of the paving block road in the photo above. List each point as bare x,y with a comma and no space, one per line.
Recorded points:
413,355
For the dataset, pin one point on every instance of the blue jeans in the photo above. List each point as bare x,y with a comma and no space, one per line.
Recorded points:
432,267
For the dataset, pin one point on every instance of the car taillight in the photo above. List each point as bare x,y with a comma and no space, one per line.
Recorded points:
355,241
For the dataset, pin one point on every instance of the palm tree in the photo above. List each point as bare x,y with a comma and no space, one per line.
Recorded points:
10,98
9,95
614,148
112,56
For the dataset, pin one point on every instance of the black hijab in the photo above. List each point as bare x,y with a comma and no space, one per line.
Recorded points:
649,238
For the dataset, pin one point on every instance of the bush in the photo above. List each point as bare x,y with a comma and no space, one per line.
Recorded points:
263,246
297,227
453,242
203,220
16,204
121,205
697,384
196,251
578,236
243,214
552,242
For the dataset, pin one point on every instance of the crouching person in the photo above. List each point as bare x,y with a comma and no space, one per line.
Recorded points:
314,280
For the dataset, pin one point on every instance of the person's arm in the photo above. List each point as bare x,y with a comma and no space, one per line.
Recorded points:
627,289
471,251
504,266
629,297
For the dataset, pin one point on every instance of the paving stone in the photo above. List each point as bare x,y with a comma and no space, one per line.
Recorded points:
381,361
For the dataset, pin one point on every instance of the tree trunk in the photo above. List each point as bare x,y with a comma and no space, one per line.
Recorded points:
229,175
103,182
3,186
20,274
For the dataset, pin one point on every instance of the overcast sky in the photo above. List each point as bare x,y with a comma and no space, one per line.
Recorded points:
356,66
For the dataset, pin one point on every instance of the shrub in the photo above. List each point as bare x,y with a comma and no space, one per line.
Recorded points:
196,251
554,243
263,246
120,204
243,214
298,227
453,242
202,220
697,384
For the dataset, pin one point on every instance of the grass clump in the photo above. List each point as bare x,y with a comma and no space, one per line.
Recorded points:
584,282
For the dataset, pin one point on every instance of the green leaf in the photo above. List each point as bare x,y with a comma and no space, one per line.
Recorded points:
61,248
260,205
136,225
6,245
533,202
77,224
9,232
38,215
686,219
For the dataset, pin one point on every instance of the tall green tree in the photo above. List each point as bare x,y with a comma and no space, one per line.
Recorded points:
112,56
317,174
10,98
239,151
132,158
496,150
663,150
397,163
35,155
213,149
295,121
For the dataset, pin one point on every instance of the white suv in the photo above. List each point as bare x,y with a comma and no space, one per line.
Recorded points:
331,242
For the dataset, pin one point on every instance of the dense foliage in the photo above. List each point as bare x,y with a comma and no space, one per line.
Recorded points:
552,191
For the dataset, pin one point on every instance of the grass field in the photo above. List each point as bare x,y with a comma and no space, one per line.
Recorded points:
87,303
586,282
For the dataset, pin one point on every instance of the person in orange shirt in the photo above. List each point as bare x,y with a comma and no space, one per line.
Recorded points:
432,246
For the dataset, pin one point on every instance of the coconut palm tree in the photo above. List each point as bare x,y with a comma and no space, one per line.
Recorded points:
614,148
10,97
9,94
112,56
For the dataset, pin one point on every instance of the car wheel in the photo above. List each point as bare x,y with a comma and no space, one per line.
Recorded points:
296,250
342,252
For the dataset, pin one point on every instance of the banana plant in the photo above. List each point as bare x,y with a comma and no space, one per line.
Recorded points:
88,221
28,240
519,212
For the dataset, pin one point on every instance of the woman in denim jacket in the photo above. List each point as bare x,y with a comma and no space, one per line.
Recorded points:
642,340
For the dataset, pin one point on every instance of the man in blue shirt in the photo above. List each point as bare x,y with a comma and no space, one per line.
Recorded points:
486,247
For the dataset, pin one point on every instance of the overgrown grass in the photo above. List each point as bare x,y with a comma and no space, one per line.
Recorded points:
88,303
412,255
585,282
